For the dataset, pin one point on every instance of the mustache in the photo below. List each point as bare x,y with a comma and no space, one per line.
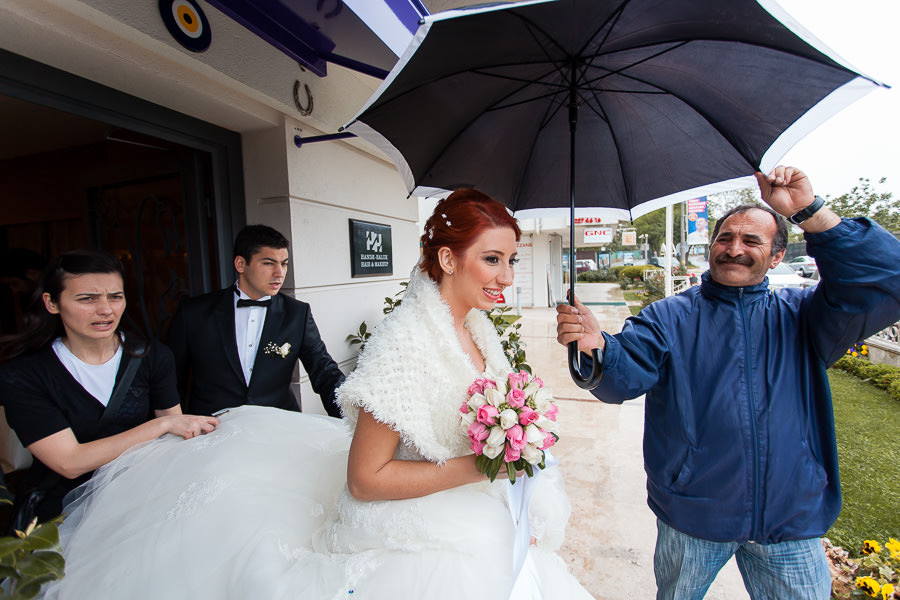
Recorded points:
740,260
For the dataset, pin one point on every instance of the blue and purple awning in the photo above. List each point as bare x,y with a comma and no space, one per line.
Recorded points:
364,35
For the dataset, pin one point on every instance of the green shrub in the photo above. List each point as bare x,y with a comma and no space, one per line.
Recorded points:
590,277
887,377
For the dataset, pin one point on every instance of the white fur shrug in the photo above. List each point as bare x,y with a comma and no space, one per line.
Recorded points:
413,374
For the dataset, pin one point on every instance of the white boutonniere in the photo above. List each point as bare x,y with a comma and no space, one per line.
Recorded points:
273,349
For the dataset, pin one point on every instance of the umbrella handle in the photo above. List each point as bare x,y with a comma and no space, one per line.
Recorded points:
596,372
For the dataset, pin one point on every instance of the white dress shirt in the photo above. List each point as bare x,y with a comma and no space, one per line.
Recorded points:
248,326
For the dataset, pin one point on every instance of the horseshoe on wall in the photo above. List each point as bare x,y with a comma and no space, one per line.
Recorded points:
304,110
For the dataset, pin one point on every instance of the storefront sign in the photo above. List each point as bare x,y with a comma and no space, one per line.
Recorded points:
370,249
594,236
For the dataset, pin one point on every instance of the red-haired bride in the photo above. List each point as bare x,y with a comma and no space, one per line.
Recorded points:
277,505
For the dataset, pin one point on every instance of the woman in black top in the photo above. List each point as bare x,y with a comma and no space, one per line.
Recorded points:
63,371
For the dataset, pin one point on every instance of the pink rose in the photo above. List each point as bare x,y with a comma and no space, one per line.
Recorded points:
518,381
548,442
515,398
465,407
487,414
538,381
516,437
512,454
552,412
528,416
479,385
478,431
477,447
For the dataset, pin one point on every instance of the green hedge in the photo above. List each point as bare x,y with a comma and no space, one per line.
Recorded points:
887,377
598,275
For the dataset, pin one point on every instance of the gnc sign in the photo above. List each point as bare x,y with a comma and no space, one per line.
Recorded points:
594,236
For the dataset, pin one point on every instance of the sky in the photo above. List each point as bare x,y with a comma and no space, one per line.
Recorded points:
863,140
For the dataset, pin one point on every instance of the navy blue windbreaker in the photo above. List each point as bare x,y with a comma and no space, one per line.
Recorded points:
739,439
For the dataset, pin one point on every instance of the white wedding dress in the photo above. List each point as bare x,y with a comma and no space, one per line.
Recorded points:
259,508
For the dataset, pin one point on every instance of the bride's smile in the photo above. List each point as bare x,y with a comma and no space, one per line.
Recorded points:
478,277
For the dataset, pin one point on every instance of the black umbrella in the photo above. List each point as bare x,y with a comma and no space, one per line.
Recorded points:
666,96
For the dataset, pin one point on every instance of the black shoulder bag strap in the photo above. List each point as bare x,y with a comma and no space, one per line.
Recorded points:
115,401
26,503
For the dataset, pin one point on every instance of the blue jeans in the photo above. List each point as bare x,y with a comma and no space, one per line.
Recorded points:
686,566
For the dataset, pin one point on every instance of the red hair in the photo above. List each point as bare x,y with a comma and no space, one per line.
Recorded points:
455,224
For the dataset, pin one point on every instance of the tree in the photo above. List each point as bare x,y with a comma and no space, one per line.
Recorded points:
653,225
865,201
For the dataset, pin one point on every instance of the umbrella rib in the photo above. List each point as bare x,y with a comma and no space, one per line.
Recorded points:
598,110
548,116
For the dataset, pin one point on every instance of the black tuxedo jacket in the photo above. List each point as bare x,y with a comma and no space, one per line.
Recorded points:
203,340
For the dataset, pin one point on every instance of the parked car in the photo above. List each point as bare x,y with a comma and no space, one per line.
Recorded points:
782,276
585,264
804,266
628,259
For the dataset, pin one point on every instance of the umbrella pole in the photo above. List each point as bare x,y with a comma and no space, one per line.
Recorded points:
597,367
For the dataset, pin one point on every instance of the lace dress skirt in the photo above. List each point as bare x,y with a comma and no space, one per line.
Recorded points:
259,509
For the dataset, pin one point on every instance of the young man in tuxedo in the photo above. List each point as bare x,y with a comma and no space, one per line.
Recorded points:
239,345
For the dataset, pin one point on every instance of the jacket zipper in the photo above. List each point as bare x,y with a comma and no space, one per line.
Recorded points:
754,434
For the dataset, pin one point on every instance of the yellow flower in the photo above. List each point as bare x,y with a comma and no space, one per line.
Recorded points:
849,350
854,353
869,585
887,591
864,347
863,351
894,546
871,547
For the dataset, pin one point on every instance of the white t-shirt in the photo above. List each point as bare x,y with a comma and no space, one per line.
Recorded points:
98,380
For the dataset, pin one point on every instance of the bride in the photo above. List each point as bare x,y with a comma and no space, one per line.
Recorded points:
275,504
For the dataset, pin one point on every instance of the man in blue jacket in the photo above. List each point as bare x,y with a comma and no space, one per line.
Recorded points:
739,444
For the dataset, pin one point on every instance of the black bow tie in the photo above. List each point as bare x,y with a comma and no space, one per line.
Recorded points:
241,303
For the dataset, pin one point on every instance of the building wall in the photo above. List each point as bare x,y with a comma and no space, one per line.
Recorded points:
243,84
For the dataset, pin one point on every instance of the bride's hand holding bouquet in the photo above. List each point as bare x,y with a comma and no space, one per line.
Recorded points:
510,425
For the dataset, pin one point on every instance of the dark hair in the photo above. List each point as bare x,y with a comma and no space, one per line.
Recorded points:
779,242
253,237
456,222
43,327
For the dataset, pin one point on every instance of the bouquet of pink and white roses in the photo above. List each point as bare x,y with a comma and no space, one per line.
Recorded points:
510,424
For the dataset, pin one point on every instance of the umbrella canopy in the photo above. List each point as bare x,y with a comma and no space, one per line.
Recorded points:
672,95
602,103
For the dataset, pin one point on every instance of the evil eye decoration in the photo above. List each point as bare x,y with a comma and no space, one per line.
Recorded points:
186,23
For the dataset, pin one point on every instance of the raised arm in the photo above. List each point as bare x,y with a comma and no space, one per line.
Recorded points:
787,190
374,474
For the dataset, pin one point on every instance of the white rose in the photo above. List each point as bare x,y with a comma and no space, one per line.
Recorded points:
508,418
531,454
547,425
493,451
494,397
532,388
285,349
533,435
475,401
497,437
468,418
542,399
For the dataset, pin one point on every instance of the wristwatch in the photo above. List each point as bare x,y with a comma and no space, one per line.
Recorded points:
807,212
